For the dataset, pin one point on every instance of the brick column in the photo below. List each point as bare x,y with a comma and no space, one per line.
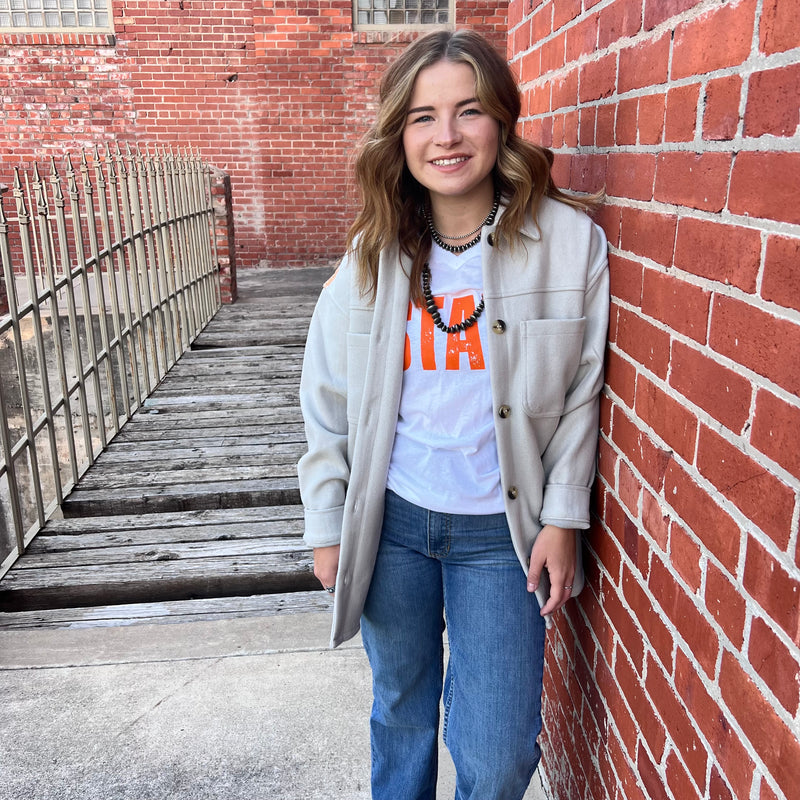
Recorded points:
673,676
224,233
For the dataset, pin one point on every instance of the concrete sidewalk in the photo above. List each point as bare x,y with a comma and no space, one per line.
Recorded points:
254,708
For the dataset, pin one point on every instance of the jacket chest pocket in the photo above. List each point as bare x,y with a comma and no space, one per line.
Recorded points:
357,353
551,354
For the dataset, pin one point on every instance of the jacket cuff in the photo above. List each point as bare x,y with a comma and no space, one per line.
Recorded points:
566,506
323,528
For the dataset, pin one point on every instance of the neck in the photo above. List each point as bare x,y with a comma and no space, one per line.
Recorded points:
455,215
459,242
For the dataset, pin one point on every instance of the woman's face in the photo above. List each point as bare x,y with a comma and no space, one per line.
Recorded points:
450,142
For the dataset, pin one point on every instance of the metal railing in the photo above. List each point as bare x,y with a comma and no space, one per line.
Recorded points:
110,271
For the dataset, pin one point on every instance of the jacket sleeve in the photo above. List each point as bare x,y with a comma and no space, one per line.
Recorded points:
569,460
324,470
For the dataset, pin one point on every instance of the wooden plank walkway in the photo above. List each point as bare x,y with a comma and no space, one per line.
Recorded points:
196,500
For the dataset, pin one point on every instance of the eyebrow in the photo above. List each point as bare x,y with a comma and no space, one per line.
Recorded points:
431,108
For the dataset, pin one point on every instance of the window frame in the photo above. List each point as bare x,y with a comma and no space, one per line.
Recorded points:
44,30
394,27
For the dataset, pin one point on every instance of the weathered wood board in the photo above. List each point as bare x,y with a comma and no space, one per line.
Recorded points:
187,526
164,497
85,585
170,611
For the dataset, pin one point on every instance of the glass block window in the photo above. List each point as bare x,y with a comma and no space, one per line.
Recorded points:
402,13
55,15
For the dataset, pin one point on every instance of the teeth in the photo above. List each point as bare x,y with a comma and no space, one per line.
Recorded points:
446,162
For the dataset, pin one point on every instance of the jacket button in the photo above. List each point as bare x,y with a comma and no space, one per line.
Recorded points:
499,326
512,493
490,240
504,411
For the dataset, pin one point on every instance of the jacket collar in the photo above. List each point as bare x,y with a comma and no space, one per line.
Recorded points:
529,229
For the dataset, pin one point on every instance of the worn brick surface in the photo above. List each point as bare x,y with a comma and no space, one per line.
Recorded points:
688,111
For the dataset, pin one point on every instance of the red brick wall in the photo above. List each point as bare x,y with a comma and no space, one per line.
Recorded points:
676,674
274,92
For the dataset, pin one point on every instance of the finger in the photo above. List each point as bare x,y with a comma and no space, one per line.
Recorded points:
535,567
554,602
326,566
560,592
328,584
327,578
323,573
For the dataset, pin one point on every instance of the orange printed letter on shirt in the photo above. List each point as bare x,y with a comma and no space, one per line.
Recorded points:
407,351
426,336
468,341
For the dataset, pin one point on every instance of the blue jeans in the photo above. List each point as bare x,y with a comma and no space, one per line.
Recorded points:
433,567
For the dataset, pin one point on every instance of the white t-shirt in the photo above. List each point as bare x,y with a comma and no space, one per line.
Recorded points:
445,455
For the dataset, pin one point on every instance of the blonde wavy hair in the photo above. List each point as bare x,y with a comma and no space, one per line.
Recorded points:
393,201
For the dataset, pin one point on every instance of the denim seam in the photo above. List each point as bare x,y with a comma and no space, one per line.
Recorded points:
448,701
428,515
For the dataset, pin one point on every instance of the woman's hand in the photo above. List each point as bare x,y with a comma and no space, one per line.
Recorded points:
555,550
326,565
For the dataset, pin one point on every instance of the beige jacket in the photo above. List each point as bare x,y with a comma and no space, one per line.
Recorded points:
547,306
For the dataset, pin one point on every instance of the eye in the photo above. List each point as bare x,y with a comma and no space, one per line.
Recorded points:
471,112
422,118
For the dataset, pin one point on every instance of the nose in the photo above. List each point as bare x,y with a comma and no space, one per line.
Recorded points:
447,133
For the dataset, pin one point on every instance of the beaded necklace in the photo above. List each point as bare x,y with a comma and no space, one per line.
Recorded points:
439,238
430,304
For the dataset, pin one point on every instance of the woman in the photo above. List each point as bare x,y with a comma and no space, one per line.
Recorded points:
450,393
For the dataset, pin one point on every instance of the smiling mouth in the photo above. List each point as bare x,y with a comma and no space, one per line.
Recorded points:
448,162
